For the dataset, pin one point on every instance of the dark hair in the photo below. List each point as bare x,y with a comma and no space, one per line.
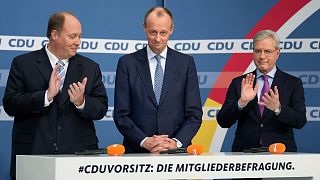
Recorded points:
160,13
56,22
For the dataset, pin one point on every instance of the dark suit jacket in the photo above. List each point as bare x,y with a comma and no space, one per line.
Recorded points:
136,112
270,128
60,127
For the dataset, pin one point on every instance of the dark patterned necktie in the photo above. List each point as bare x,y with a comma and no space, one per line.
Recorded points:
158,79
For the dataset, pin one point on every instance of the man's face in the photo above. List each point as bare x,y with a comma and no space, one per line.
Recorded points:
68,40
265,55
158,31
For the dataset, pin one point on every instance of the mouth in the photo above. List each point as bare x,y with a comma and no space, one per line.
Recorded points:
74,49
157,44
262,62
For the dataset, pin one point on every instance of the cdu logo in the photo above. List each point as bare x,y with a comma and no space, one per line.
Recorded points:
21,43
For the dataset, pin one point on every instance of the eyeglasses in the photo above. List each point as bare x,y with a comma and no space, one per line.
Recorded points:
267,52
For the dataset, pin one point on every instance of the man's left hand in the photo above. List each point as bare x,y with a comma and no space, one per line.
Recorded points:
271,101
76,92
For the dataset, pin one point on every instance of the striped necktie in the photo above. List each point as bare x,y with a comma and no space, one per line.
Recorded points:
158,79
61,73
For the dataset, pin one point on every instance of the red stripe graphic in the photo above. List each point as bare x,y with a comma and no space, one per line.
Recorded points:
278,15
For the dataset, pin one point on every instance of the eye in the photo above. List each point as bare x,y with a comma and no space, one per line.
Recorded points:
163,33
153,33
268,52
257,51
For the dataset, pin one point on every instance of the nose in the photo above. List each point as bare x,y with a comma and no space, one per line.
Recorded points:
158,38
78,41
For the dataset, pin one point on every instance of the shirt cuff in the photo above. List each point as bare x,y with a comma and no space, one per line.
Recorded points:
241,107
141,144
81,107
46,101
179,144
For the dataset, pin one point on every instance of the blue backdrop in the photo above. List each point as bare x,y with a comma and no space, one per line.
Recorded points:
216,33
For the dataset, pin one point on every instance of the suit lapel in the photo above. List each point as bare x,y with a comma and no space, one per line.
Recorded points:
278,80
255,101
144,72
43,65
169,75
74,73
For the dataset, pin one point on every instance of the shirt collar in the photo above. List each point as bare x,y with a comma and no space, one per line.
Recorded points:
53,59
270,74
151,54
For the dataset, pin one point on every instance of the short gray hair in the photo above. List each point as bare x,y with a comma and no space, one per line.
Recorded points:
265,34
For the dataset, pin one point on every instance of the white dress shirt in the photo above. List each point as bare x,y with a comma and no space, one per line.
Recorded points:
53,61
152,66
153,62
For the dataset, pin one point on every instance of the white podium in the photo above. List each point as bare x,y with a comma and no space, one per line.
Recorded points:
147,166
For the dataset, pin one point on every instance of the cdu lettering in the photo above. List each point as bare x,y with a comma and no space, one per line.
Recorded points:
315,113
187,46
21,43
291,45
88,45
315,45
139,46
220,45
109,79
116,46
309,79
202,79
247,46
212,113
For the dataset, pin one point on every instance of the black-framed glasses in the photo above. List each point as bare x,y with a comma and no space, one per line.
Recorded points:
267,52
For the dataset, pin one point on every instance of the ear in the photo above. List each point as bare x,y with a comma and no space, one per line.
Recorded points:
172,27
54,35
144,28
277,54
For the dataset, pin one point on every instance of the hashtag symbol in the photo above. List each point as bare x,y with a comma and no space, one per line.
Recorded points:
80,169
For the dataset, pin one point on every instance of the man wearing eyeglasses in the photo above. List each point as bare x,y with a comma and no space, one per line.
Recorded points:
267,103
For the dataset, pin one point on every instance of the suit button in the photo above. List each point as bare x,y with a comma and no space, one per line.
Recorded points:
261,125
55,144
59,127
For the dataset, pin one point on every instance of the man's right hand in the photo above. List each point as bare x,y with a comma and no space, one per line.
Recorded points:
54,83
158,143
247,91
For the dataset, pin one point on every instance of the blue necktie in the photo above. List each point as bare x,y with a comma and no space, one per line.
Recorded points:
158,79
61,73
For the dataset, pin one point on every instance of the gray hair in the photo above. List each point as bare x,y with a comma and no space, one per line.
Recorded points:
265,34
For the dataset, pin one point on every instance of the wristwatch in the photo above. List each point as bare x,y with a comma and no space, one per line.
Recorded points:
277,110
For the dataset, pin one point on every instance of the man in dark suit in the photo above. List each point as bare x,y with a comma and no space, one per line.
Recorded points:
49,117
264,115
157,99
